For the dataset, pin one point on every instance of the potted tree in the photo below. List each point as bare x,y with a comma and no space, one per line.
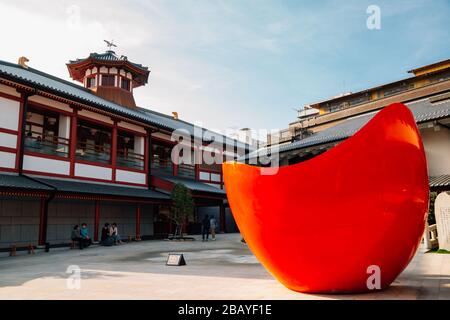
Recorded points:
182,209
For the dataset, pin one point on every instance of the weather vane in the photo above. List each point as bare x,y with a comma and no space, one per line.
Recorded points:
110,44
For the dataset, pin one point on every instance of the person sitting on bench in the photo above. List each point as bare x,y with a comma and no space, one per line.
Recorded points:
106,239
75,236
84,234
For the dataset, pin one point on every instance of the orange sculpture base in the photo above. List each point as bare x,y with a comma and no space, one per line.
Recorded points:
321,225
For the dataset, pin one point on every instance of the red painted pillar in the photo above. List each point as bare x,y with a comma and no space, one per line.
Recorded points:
138,222
197,172
43,210
73,142
147,158
114,150
97,220
19,147
222,218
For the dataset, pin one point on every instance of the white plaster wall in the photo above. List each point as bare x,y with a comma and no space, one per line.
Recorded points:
437,150
46,165
139,146
161,136
95,116
130,176
51,103
204,175
7,160
9,110
64,126
96,172
8,140
131,126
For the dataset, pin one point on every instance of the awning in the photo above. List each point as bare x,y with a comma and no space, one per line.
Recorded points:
198,188
14,182
67,187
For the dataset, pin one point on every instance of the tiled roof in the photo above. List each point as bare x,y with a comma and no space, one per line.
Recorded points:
52,84
423,111
108,56
21,182
440,181
77,187
193,184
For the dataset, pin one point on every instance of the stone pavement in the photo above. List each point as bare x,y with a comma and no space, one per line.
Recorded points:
222,269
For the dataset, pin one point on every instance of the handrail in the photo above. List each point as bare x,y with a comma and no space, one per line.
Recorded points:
47,145
185,169
130,154
46,137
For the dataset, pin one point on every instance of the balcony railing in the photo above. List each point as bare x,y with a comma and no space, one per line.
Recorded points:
186,171
94,153
51,145
162,166
130,159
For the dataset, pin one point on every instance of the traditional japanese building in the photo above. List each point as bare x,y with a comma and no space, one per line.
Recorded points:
87,153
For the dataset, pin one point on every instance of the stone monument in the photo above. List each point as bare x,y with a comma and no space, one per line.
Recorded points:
442,213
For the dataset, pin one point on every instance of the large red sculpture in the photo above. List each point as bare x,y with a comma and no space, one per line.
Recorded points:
323,224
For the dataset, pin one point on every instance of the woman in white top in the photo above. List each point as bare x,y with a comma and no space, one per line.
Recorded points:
114,232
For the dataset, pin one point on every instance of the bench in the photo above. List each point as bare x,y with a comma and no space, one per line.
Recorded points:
14,248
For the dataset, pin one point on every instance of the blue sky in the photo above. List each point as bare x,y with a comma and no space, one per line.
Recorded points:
234,63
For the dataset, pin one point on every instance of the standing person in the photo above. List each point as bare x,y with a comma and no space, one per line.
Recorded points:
105,239
206,225
115,234
213,226
84,234
76,236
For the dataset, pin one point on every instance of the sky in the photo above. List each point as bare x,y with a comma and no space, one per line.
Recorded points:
233,63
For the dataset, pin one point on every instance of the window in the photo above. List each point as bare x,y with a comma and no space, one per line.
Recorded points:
42,133
211,173
397,89
440,76
358,100
93,142
90,82
108,80
126,84
130,150
161,158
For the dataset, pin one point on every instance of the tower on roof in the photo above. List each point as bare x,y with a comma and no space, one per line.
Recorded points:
110,76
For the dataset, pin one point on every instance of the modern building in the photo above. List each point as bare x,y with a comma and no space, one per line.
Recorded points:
87,153
425,82
247,136
322,125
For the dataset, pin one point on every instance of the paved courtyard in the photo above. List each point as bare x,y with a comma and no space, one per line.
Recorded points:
224,269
